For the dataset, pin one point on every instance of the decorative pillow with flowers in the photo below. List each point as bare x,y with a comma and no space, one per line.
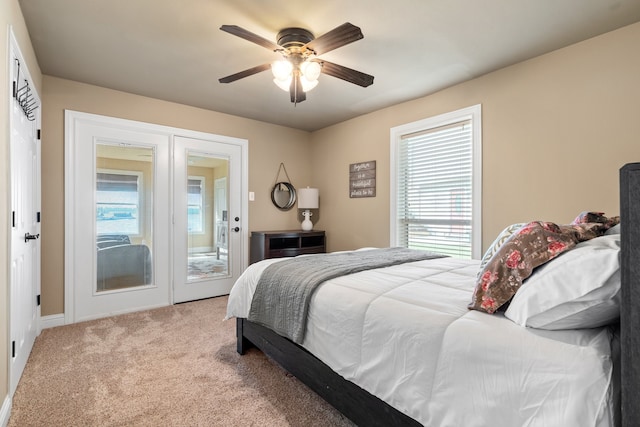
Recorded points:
498,242
531,246
587,217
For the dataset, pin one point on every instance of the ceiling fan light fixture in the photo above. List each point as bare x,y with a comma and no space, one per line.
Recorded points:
310,70
282,69
298,70
307,84
283,84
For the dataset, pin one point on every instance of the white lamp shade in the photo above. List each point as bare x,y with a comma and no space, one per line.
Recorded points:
308,85
308,198
310,70
282,69
283,84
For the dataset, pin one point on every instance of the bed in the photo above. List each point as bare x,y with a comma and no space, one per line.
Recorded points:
399,344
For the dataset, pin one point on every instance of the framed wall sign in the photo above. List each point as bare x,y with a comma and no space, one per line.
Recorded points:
362,179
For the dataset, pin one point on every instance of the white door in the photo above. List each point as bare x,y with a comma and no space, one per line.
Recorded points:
208,217
25,215
128,211
117,217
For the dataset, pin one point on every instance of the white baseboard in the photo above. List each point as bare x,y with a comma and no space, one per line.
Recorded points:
5,411
51,321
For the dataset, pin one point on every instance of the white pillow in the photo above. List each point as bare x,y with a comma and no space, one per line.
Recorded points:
578,289
613,230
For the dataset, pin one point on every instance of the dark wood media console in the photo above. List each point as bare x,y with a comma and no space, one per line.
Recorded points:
278,244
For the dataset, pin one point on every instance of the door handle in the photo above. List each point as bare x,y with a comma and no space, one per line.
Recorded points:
28,237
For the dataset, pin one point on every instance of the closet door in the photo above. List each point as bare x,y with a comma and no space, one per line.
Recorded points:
117,217
208,217
24,267
153,215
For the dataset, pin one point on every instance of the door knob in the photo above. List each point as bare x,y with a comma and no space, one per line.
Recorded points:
236,229
28,237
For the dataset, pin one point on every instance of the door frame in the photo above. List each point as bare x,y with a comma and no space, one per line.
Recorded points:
72,118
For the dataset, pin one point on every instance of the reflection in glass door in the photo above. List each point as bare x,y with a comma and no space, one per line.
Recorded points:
124,231
207,223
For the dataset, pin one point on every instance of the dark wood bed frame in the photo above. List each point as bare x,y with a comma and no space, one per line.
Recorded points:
367,410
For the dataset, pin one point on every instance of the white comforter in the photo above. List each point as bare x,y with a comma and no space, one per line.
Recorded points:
404,334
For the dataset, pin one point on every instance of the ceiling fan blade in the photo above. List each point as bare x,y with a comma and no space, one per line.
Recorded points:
295,90
248,35
245,73
338,37
344,73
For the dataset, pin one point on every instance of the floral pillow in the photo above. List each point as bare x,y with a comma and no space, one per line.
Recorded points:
498,242
531,246
587,217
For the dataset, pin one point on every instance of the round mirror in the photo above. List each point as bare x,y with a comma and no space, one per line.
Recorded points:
283,196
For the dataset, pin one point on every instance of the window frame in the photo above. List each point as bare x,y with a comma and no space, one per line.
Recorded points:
203,215
473,113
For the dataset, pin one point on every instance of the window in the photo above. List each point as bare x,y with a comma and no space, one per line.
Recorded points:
118,195
436,184
195,195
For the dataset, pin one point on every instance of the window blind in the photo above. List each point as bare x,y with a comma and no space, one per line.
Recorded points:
194,186
435,189
116,182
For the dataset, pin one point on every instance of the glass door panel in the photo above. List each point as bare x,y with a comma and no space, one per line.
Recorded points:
208,237
207,222
124,223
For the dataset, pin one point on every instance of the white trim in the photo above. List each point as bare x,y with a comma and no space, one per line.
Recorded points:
52,321
5,411
475,114
69,201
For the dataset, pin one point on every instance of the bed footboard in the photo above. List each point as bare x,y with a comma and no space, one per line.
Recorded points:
354,402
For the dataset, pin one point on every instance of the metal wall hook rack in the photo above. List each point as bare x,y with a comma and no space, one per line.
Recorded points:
24,95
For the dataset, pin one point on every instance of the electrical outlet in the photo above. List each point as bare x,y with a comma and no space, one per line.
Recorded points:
252,196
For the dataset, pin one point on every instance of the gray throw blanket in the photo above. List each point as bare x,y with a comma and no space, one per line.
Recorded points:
282,295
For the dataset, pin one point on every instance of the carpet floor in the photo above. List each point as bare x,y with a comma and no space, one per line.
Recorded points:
172,366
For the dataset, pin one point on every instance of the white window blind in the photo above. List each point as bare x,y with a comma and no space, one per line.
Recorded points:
118,198
435,187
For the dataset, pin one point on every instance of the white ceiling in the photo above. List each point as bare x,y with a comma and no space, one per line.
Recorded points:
174,50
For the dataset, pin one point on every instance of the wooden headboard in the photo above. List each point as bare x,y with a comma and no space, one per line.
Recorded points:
630,309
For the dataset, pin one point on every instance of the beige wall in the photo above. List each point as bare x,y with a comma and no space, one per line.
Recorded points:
268,146
556,129
10,15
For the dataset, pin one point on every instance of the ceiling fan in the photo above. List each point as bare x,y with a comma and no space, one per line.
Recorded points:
299,69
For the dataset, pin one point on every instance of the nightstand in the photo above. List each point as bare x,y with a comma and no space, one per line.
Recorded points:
277,244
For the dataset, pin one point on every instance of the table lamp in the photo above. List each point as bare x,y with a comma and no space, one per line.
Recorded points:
308,199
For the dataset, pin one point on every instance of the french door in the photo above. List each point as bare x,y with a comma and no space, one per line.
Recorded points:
117,217
207,218
148,215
